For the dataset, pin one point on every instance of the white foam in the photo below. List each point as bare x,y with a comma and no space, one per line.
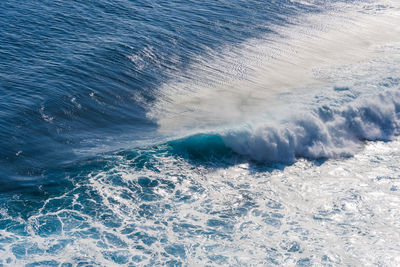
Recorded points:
324,133
334,213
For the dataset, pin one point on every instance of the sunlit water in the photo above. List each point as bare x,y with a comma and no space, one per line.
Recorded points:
180,133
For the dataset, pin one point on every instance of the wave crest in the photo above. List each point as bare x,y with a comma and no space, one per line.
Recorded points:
323,133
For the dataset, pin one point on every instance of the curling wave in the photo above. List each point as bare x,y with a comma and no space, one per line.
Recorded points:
326,132
323,133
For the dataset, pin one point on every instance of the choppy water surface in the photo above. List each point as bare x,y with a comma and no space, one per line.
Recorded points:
199,133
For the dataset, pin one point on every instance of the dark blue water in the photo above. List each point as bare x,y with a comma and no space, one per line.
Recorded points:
86,176
68,82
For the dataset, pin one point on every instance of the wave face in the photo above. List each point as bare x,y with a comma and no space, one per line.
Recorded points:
211,133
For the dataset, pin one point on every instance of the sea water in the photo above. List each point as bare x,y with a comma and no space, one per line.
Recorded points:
199,133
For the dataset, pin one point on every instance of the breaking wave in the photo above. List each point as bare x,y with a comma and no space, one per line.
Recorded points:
326,132
271,99
323,133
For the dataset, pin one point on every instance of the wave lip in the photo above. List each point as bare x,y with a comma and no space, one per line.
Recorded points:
323,133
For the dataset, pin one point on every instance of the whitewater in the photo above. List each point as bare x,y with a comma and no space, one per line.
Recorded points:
200,134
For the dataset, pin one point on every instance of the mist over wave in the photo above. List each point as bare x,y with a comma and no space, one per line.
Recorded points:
313,89
235,83
199,133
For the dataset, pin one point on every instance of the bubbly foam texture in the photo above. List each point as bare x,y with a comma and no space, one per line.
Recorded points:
307,91
170,212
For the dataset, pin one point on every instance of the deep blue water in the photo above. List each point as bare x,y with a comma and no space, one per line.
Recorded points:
67,80
90,177
76,77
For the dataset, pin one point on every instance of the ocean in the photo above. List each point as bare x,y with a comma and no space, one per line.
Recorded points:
199,133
